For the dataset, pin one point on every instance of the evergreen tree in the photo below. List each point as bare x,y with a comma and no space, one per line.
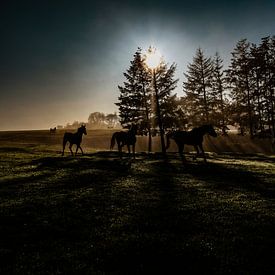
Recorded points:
163,101
267,49
197,88
239,78
257,66
218,100
165,84
134,99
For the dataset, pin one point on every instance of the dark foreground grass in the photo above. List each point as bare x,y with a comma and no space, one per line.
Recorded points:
98,215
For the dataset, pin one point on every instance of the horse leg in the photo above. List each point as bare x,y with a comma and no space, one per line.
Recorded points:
70,147
119,150
76,149
81,150
204,157
64,144
181,149
198,152
129,149
134,147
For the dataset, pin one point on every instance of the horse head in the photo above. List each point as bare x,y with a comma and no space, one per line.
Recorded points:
210,130
82,129
133,128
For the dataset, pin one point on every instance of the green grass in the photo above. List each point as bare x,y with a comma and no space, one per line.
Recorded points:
95,214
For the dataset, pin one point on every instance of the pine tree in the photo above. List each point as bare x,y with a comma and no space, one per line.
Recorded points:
134,99
218,100
267,49
272,84
163,102
197,88
239,78
257,66
166,83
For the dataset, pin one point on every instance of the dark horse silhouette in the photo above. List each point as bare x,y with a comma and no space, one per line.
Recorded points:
125,138
74,138
53,130
193,137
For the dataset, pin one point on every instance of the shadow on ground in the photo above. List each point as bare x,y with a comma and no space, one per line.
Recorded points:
99,214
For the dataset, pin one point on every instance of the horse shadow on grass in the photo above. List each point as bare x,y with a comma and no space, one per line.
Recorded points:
170,232
99,160
222,177
153,223
14,150
162,220
127,217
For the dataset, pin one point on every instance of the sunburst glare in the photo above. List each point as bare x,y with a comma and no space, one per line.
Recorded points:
153,58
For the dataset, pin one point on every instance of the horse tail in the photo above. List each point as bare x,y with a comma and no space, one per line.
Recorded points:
65,139
113,141
168,140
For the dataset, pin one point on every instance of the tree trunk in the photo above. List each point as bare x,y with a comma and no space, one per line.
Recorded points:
158,111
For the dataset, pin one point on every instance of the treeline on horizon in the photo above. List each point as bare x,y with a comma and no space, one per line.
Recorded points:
241,95
96,120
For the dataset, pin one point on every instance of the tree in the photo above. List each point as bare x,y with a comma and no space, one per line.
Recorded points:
96,119
197,88
145,97
239,78
163,84
134,99
267,51
218,101
111,120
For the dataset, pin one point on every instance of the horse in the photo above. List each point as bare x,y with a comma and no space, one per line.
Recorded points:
74,138
193,137
125,138
53,130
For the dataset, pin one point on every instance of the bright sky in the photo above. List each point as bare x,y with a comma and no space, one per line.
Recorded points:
62,60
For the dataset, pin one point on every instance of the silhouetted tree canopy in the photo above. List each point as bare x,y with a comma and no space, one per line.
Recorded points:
198,87
241,95
137,99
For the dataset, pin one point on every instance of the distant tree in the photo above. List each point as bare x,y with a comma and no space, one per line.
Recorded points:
112,119
75,124
96,119
198,87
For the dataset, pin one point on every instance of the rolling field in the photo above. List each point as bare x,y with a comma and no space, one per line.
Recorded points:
96,214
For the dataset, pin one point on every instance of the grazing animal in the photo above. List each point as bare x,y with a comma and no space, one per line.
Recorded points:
53,130
125,138
193,137
74,138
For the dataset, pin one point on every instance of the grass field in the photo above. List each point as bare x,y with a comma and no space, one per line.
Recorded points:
96,214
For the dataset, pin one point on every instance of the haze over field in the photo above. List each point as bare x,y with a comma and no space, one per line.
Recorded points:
62,60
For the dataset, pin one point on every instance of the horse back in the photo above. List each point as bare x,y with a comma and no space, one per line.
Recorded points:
125,138
188,138
68,135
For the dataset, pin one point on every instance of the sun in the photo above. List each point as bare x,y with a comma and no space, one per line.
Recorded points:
153,58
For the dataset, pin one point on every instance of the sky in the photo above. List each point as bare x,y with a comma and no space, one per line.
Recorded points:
62,60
